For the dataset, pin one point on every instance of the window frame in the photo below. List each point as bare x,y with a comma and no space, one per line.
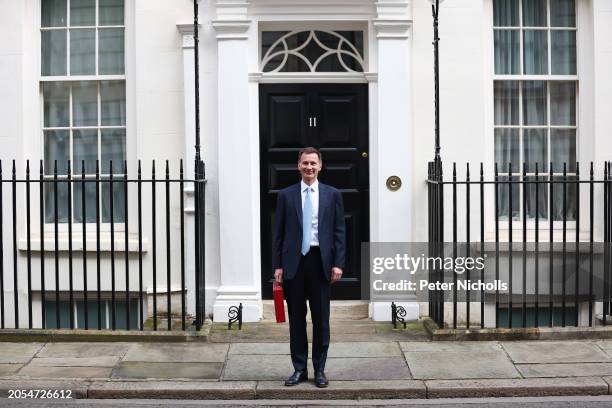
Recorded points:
97,79
517,171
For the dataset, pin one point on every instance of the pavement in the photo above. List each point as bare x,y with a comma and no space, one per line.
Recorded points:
366,360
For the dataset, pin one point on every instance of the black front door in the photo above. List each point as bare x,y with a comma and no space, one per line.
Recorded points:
334,119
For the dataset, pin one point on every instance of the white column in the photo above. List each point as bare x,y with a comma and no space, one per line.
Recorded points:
188,158
238,169
395,135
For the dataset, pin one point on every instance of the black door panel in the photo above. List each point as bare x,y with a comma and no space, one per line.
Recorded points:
334,119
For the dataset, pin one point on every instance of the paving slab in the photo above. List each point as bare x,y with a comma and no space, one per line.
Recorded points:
75,361
189,390
606,345
555,352
448,365
83,350
251,349
350,368
177,352
78,388
363,349
140,370
348,390
336,350
11,353
565,369
9,369
65,372
261,367
447,346
531,387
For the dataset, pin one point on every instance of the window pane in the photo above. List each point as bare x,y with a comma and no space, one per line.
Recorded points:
562,13
563,103
112,96
53,52
535,44
90,201
111,12
82,12
534,13
113,148
62,201
535,149
57,147
53,13
503,198
118,187
506,149
507,57
563,149
537,199
505,13
111,51
563,49
85,104
85,145
50,314
56,106
82,52
570,199
506,102
534,103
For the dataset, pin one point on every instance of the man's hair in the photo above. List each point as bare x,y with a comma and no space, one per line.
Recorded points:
309,150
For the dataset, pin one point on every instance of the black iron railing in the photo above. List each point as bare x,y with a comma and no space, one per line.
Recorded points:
546,234
83,223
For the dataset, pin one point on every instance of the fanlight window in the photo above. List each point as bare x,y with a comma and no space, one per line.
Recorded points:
312,51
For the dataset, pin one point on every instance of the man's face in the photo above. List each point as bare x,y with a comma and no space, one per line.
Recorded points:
309,166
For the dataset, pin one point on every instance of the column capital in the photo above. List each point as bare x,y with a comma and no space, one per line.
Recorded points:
231,29
232,9
392,28
394,9
186,31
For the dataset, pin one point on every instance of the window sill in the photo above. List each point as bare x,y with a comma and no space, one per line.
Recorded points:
77,242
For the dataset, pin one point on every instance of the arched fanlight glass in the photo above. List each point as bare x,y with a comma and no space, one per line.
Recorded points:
312,51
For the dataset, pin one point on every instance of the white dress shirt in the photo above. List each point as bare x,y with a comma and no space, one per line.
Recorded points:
314,197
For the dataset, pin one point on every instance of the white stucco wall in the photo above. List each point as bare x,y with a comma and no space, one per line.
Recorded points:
159,114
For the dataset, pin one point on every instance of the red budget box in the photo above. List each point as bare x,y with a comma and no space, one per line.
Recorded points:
279,305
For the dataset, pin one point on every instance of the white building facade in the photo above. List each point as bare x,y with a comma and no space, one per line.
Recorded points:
114,79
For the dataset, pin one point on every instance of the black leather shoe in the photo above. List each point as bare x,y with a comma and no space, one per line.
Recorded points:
320,379
296,378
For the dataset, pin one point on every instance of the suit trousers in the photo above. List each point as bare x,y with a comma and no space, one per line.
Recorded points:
310,284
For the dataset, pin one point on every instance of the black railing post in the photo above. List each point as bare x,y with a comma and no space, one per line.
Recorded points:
140,295
84,237
28,243
154,243
70,271
42,239
126,231
182,239
168,263
98,272
111,207
15,272
56,246
199,243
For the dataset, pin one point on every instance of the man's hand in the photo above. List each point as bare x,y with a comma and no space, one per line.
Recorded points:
278,275
336,274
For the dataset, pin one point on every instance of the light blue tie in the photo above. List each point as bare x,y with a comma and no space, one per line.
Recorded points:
307,222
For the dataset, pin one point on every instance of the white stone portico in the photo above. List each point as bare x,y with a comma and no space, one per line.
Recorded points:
232,152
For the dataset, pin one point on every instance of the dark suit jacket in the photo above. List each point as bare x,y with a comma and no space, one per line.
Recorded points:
288,230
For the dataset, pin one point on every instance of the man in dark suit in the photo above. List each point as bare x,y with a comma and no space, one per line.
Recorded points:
309,252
